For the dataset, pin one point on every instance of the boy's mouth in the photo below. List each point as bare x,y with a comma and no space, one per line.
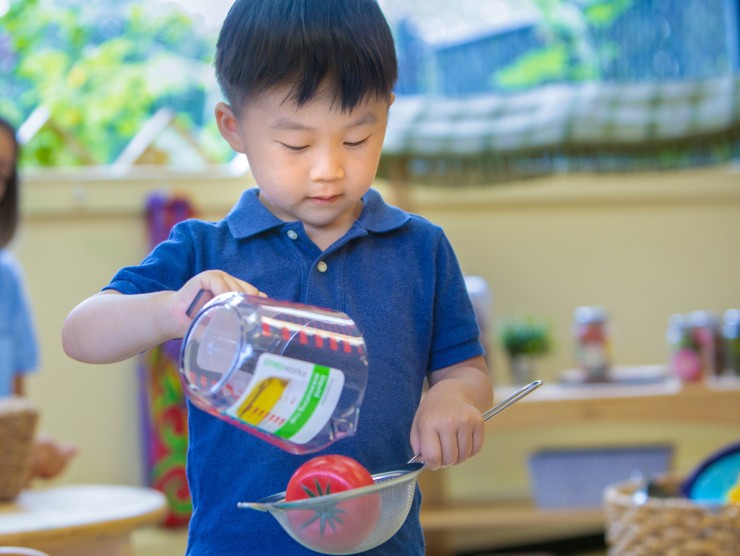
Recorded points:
324,199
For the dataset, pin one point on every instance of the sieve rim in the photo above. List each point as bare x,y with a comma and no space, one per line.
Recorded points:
383,480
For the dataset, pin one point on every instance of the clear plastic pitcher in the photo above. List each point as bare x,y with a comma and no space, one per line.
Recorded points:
291,374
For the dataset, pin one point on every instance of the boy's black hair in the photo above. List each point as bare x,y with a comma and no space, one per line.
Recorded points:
9,198
300,43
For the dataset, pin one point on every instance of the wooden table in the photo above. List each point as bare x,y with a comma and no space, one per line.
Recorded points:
80,520
555,405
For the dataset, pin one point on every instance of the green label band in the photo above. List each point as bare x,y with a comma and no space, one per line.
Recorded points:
308,404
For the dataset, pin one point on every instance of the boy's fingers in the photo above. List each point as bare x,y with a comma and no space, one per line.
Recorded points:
450,450
431,450
464,446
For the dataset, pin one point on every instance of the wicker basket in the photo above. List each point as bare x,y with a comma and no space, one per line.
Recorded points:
668,526
18,419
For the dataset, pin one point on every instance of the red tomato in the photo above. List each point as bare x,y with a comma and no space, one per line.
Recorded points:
326,475
335,527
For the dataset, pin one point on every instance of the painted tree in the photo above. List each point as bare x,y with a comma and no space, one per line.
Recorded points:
100,69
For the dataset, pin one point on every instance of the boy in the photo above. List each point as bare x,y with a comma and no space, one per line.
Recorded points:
309,86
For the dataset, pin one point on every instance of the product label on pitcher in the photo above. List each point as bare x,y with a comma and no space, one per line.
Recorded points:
289,398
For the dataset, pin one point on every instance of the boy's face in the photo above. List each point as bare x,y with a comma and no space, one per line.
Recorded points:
312,163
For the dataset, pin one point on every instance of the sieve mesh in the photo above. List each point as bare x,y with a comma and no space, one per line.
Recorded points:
384,504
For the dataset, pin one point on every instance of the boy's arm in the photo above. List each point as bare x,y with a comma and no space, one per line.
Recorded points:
448,425
110,327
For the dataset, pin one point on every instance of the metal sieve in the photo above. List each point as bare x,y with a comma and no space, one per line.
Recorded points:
359,519
384,504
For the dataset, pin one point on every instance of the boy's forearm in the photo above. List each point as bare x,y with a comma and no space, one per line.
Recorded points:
470,379
111,327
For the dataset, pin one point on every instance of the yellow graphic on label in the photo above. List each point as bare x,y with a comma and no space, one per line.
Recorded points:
290,398
261,400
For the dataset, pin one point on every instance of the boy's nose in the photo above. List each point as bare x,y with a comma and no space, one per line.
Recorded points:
328,166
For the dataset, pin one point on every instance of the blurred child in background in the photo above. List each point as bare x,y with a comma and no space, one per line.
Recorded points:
19,352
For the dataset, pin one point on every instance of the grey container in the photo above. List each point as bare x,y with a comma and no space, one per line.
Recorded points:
577,477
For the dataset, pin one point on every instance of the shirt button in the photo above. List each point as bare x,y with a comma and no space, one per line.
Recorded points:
322,266
292,234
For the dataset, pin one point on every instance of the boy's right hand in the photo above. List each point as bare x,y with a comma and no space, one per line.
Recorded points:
110,327
215,282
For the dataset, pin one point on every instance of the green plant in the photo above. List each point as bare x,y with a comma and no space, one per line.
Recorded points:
525,336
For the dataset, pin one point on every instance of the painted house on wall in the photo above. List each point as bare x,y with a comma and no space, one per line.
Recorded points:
592,86
462,49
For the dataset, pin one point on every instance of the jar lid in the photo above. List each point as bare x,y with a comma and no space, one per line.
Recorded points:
704,318
732,316
678,320
589,313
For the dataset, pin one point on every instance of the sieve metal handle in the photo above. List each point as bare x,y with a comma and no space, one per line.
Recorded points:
515,397
500,406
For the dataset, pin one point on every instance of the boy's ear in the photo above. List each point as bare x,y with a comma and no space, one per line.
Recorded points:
228,125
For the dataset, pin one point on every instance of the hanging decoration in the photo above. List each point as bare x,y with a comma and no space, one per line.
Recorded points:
163,407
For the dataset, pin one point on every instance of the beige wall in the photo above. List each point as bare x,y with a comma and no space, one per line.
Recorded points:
642,245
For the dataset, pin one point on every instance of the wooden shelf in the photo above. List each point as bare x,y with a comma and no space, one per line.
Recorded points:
670,401
506,513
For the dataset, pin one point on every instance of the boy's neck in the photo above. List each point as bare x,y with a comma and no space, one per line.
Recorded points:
325,236
324,239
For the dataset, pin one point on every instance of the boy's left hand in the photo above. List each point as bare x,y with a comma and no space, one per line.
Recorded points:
448,425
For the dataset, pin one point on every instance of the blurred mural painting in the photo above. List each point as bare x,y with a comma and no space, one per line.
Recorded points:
489,90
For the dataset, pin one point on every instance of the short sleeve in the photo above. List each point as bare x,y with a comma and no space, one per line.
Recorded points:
167,267
456,335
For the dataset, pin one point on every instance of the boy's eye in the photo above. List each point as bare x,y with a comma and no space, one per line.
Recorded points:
294,148
357,143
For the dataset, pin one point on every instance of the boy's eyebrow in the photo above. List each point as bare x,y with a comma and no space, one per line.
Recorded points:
293,125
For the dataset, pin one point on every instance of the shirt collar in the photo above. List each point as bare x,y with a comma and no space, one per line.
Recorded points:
378,216
250,217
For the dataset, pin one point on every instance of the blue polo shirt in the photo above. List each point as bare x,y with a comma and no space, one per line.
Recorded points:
19,352
395,274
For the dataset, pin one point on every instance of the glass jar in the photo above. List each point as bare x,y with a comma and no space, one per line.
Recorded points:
592,342
731,342
707,330
684,352
291,374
